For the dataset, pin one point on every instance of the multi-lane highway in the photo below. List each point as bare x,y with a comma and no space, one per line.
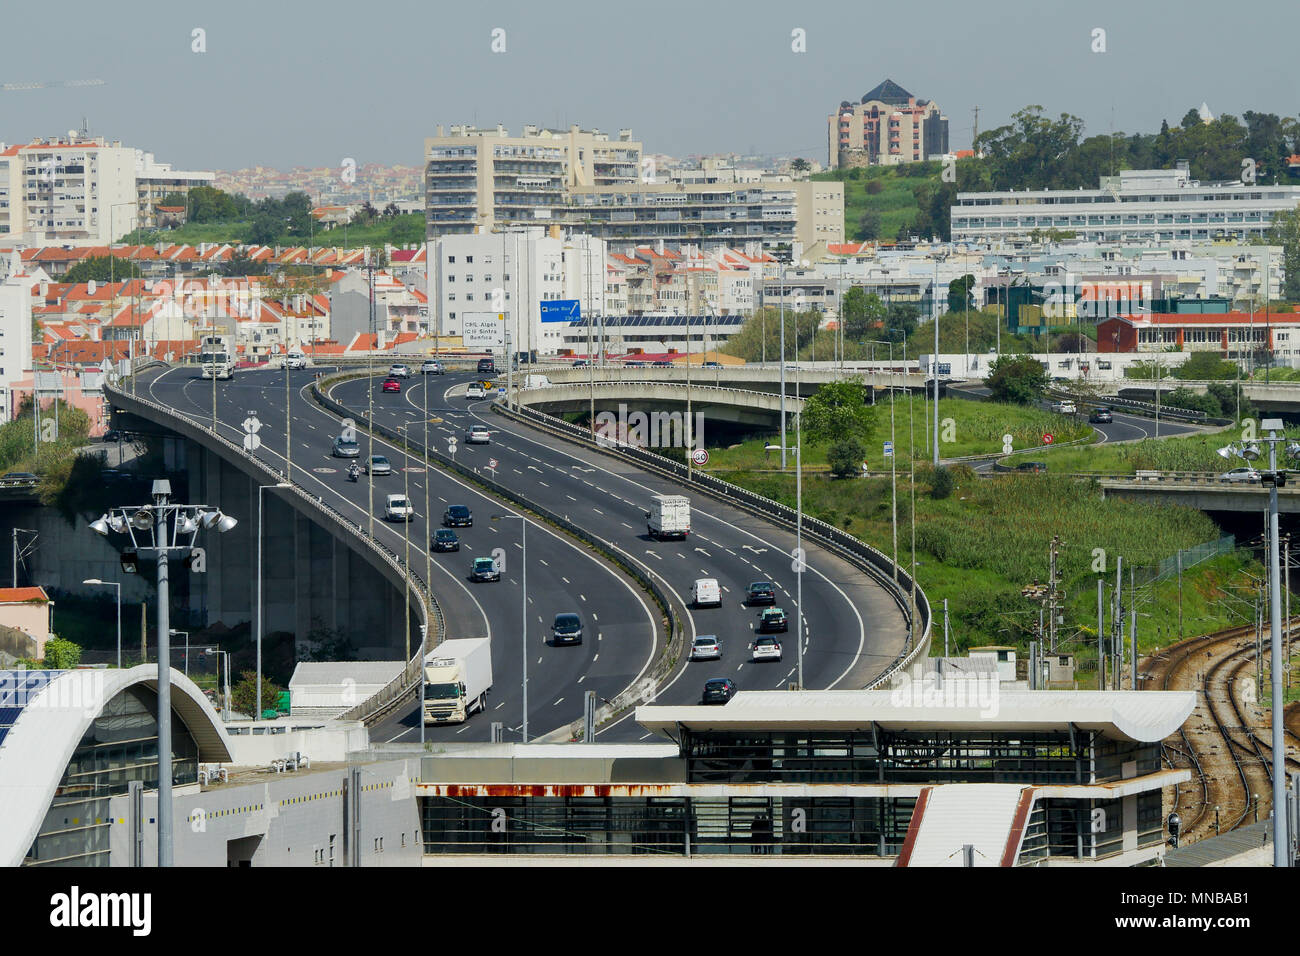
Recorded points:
853,628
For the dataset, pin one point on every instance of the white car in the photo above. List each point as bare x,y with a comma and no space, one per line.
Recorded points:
706,648
706,593
475,391
1240,474
478,435
766,648
399,371
398,508
295,360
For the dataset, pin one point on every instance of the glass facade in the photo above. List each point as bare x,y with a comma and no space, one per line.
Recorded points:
120,745
836,826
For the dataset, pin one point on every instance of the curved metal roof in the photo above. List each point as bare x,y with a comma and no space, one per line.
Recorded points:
48,719
1144,716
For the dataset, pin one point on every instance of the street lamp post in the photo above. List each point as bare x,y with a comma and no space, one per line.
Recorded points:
523,609
153,520
799,562
1272,478
260,500
118,585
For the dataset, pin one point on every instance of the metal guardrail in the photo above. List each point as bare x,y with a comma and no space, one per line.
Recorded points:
427,607
648,579
874,562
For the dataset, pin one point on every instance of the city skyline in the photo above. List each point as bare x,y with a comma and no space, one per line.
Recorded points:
376,103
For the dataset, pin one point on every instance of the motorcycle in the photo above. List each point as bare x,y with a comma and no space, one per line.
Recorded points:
353,473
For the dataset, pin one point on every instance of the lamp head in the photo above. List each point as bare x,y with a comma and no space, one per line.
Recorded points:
142,520
1250,451
225,523
99,526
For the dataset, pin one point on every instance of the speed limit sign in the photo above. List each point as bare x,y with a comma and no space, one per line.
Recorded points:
700,456
492,463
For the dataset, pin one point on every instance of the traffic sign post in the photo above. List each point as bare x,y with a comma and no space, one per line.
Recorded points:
451,447
492,464
700,456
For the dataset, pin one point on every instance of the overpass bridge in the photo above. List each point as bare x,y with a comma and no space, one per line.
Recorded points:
1205,491
1280,397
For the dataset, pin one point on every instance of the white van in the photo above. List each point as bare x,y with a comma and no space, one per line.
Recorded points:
706,593
536,381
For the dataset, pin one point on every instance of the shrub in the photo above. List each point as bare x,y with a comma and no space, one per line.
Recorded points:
941,483
845,458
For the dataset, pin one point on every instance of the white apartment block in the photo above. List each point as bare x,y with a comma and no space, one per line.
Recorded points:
513,273
156,181
15,335
1162,205
11,192
77,191
485,178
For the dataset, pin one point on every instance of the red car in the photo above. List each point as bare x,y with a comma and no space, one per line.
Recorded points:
392,385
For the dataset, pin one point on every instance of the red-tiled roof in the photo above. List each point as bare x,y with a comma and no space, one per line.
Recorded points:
19,595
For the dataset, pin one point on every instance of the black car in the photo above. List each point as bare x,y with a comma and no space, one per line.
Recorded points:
444,539
567,629
661,364
761,592
458,516
1035,467
718,691
487,366
113,435
1100,416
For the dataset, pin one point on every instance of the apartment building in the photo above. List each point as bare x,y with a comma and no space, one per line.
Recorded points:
482,180
485,178
77,191
513,273
15,335
1161,205
155,181
11,191
887,127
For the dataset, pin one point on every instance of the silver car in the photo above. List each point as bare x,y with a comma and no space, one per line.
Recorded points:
478,435
1240,474
399,371
706,648
431,367
379,465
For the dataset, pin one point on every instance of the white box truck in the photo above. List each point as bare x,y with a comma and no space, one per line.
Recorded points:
457,678
536,381
669,517
216,360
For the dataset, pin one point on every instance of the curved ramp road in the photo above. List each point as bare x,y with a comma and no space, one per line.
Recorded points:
562,575
853,627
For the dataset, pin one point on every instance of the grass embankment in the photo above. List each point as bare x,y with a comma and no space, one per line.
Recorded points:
885,190
975,428
982,545
1181,453
400,230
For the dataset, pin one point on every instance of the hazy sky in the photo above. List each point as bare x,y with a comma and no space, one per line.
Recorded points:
288,83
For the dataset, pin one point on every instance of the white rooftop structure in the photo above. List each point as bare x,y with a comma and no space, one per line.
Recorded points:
1142,716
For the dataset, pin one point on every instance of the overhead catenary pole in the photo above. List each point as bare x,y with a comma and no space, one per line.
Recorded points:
1101,622
165,808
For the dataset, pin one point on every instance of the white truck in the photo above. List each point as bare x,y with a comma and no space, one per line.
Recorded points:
536,381
670,517
457,678
216,358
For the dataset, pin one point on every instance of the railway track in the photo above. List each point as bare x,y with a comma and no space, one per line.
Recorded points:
1232,762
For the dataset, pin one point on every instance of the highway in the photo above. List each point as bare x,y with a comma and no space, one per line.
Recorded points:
853,628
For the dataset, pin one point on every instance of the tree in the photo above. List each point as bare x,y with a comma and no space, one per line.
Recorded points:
869,225
863,311
1206,366
266,229
1020,379
801,165
61,655
207,204
961,294
102,269
942,483
1286,233
836,413
243,695
845,458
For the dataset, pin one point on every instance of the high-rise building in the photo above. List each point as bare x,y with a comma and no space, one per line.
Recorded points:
888,127
76,191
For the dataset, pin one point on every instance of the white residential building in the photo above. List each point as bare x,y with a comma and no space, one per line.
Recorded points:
155,181
15,335
514,273
11,192
77,191
1156,204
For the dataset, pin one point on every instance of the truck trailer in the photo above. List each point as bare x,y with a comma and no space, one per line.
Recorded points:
669,517
457,678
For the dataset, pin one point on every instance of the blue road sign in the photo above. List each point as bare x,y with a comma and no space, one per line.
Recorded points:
889,449
561,310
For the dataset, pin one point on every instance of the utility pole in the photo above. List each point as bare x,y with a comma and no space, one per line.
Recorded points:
1101,621
1051,592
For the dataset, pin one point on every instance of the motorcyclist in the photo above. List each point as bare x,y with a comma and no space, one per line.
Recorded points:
354,471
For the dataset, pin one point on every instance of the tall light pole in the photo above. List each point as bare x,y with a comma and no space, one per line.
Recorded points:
153,520
893,453
938,257
173,632
782,268
1250,452
523,609
799,562
260,500
113,584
